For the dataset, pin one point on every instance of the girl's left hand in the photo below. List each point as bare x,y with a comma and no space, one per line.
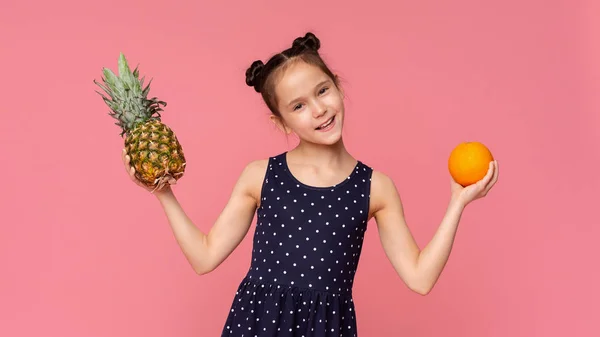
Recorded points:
465,195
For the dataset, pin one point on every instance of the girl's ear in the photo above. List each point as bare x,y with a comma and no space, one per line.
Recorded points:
280,124
339,86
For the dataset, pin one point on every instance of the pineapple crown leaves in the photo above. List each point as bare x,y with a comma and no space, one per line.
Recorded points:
127,98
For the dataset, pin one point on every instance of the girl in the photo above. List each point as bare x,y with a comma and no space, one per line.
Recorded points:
312,205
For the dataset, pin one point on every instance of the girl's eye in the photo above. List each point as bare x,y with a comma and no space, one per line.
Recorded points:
298,106
323,90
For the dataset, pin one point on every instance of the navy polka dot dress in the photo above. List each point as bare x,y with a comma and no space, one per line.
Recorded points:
306,248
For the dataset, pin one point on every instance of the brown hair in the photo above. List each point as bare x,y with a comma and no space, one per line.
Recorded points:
262,76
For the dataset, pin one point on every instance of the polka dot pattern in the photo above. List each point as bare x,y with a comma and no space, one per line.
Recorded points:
306,249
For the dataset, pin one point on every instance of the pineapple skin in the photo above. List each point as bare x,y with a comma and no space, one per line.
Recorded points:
156,154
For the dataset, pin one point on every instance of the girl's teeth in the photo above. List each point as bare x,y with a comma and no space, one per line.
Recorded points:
326,124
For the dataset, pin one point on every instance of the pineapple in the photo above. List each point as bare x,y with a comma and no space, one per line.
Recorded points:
155,152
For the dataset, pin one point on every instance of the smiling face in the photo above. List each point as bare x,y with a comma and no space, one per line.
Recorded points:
310,103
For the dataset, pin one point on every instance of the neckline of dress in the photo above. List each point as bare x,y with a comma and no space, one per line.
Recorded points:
321,188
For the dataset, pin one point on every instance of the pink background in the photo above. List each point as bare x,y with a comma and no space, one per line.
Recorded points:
84,252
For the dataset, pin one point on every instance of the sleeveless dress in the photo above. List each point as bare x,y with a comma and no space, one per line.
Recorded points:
306,248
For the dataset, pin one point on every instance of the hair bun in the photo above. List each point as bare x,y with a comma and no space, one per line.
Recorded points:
253,74
309,41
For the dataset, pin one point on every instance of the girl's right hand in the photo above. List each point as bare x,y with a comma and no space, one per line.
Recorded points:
131,172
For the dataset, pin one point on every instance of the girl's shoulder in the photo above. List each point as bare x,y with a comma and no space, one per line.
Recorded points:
252,177
383,191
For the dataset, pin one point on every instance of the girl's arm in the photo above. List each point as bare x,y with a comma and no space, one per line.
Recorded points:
420,269
206,251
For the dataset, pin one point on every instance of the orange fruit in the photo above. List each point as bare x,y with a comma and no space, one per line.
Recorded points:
469,162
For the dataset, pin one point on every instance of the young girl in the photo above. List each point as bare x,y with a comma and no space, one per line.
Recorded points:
312,205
